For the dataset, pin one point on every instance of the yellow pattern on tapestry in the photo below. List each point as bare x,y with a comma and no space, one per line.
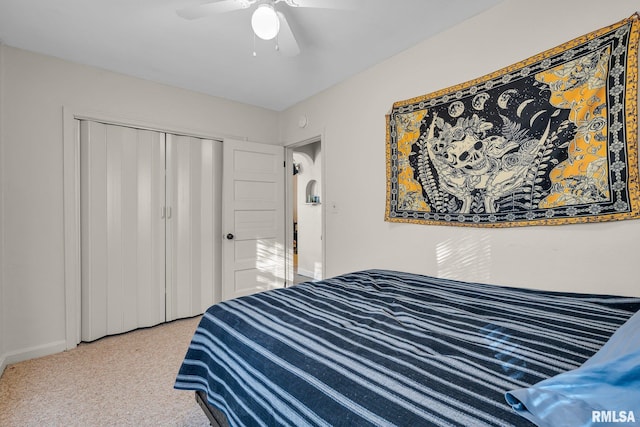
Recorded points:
410,190
580,85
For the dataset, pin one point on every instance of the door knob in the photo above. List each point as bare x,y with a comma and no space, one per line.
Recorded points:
229,236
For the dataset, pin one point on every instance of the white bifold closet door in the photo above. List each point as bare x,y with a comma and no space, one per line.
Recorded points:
149,225
194,242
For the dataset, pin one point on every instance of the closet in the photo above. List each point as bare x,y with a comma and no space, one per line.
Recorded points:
150,227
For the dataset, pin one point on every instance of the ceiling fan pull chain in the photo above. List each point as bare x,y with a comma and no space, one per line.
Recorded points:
254,45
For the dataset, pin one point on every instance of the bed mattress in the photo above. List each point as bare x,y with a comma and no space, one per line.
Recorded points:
381,347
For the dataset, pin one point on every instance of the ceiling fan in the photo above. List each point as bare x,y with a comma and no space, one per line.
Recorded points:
267,22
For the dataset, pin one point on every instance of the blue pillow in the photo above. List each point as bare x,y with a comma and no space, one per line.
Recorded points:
604,391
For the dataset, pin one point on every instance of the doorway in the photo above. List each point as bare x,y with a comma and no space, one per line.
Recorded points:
305,211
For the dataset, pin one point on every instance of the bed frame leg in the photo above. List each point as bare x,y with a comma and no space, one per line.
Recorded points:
216,418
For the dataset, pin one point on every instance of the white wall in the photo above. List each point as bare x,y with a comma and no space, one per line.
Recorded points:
351,117
309,215
35,90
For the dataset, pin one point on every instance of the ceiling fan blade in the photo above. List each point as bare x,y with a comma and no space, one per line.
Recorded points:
322,4
211,8
286,40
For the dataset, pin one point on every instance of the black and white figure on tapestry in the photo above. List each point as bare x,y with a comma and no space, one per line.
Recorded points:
491,152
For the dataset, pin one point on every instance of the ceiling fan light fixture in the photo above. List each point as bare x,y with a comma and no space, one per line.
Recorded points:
265,22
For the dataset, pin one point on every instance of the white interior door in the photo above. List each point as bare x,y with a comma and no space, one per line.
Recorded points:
193,225
122,239
253,218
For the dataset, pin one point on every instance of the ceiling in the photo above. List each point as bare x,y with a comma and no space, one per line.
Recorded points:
214,55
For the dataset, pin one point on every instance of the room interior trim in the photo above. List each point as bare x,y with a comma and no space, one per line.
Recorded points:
31,353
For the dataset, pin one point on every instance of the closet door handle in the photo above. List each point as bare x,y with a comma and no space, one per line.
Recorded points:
162,212
169,212
230,236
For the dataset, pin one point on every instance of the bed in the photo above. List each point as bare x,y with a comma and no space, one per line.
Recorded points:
381,347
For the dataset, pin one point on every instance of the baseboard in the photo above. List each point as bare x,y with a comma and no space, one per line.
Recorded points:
31,353
3,363
307,273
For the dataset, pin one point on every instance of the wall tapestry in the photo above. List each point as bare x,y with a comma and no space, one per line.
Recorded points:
549,140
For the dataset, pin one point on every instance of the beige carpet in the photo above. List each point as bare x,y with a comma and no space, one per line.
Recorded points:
124,380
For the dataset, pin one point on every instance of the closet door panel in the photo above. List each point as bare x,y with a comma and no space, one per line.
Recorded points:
193,243
179,228
122,193
208,206
115,272
93,218
150,230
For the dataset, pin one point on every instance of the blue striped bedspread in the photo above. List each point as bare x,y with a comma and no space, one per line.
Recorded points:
378,348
